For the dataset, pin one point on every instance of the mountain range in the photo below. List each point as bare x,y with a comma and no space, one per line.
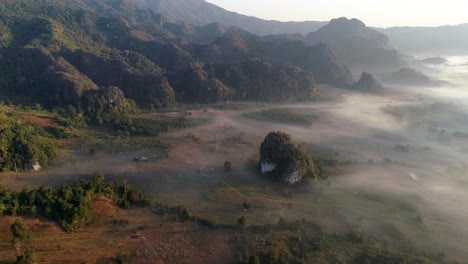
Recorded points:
445,40
54,52
427,40
200,12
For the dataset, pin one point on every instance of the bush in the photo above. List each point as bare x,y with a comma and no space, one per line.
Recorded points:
123,258
20,230
241,222
29,257
227,166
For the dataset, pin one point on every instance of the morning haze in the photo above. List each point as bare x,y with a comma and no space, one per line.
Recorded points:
176,131
376,13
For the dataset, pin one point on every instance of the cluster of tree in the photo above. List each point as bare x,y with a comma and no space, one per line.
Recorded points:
23,145
155,127
108,105
69,205
184,214
304,242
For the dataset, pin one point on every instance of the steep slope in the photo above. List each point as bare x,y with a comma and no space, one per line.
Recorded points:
430,40
257,80
140,79
357,44
200,12
367,83
35,74
318,60
53,51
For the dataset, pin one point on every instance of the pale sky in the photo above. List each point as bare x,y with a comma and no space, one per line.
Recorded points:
378,13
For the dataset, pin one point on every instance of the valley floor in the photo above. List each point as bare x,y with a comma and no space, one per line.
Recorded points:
408,200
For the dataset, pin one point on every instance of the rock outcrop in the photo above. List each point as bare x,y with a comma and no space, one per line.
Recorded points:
195,85
140,79
319,60
283,159
256,80
367,83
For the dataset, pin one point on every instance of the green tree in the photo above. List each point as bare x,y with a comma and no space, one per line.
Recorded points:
241,221
98,182
20,230
254,260
29,257
123,258
227,166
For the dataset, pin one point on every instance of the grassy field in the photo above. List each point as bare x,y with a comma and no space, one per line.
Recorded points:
282,115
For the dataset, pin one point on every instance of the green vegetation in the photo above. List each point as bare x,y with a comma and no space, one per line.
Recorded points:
29,257
55,52
115,144
123,258
156,127
282,115
304,242
241,222
22,145
20,231
70,206
108,106
184,214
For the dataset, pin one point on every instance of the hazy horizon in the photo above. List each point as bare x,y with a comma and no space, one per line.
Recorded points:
383,13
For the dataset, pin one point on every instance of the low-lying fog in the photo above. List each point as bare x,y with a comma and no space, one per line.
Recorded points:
406,184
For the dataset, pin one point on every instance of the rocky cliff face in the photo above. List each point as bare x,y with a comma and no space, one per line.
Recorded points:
320,61
147,85
283,159
50,53
36,73
194,85
256,80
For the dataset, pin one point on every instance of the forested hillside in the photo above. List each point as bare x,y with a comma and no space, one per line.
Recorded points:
56,52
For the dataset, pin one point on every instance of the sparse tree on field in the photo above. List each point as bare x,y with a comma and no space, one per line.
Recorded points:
29,257
241,222
227,166
20,231
123,258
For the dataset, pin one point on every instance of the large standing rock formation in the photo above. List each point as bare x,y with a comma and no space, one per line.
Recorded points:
367,83
281,158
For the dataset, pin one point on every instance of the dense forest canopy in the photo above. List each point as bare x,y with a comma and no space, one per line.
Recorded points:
21,144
